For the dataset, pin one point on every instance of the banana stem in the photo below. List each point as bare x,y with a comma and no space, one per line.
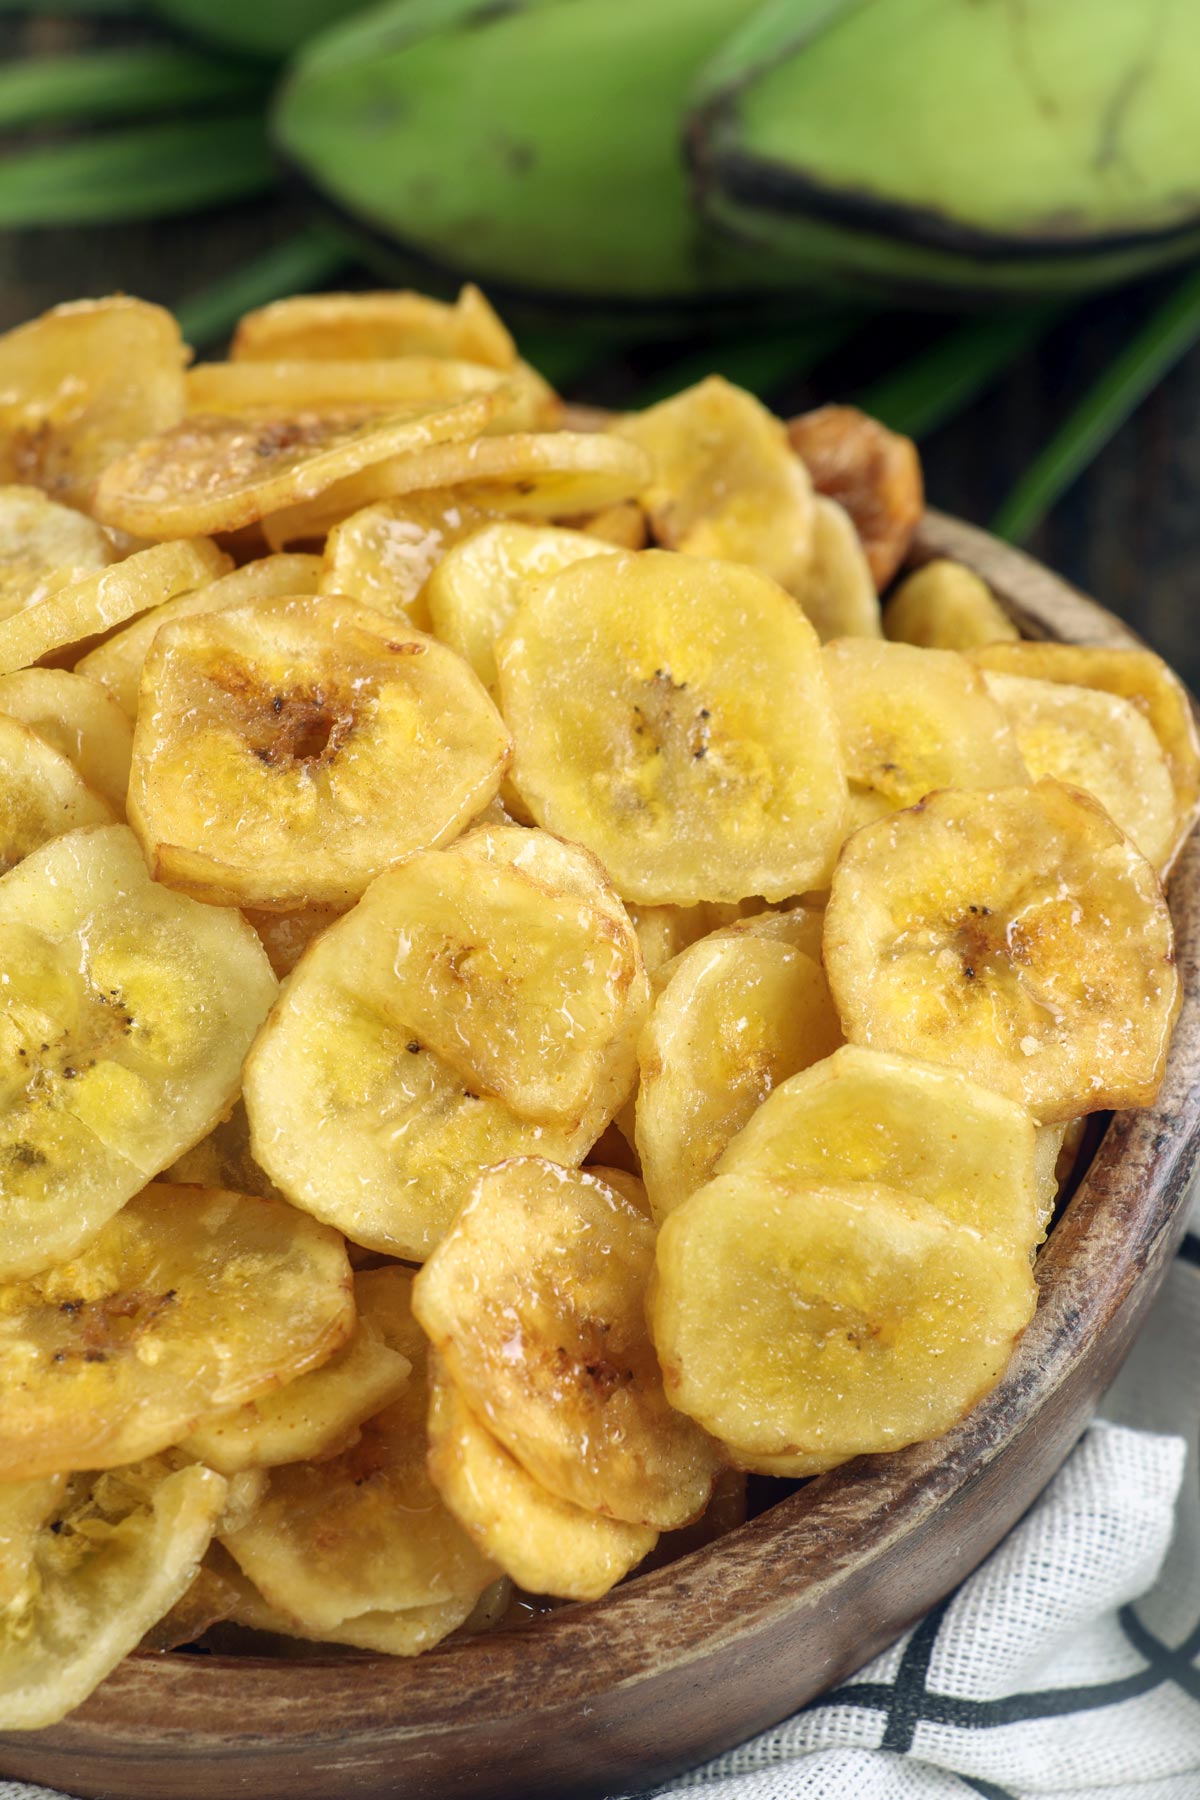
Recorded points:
941,381
306,261
148,172
105,84
1166,336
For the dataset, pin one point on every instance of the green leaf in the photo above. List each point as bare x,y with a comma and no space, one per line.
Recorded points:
148,172
122,84
309,260
759,364
74,9
1166,336
941,381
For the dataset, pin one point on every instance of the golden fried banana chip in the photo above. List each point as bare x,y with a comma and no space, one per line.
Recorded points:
352,327
741,1010
624,525
365,1531
43,547
865,1116
838,592
89,1564
915,720
217,474
1016,935
244,389
828,1320
80,720
474,591
548,474
1098,742
384,555
725,483
117,664
1135,675
286,754
129,1011
223,1160
403,1633
535,1300
189,1302
42,794
946,606
786,1468
97,602
873,472
208,1600
673,715
286,936
547,1545
81,385
480,1002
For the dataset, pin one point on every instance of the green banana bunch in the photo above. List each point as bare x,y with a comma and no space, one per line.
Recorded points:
634,151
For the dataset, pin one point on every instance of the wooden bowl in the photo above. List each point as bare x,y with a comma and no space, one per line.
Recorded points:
681,1663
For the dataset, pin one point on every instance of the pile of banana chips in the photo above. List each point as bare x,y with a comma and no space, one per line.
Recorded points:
524,996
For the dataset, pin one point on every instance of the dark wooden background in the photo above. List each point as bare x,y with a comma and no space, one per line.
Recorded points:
1128,533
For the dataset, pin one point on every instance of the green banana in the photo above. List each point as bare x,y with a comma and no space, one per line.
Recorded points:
951,147
271,28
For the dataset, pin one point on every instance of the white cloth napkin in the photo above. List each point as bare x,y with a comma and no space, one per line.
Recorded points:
1067,1667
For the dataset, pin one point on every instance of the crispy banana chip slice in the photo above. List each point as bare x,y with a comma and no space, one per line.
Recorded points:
244,389
535,1300
827,1320
475,590
1135,675
480,1002
42,794
547,1545
95,603
865,1116
874,473
117,663
208,1600
725,482
384,555
81,385
89,1564
223,1160
673,715
79,719
189,1302
1016,935
351,327
1098,742
286,754
365,1531
915,720
213,473
624,525
838,591
129,1011
740,1011
44,546
548,474
946,606
403,1633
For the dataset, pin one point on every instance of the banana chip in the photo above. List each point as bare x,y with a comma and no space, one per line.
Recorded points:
1135,675
95,603
42,794
1098,742
725,483
838,591
915,720
189,1302
826,1320
874,473
209,1600
43,547
1016,935
384,555
863,1116
353,327
946,606
79,719
80,386
547,1545
223,1160
129,1012
286,754
117,664
740,1011
535,1301
664,931
244,389
624,525
365,1532
479,1002
673,715
218,474
474,591
88,1565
